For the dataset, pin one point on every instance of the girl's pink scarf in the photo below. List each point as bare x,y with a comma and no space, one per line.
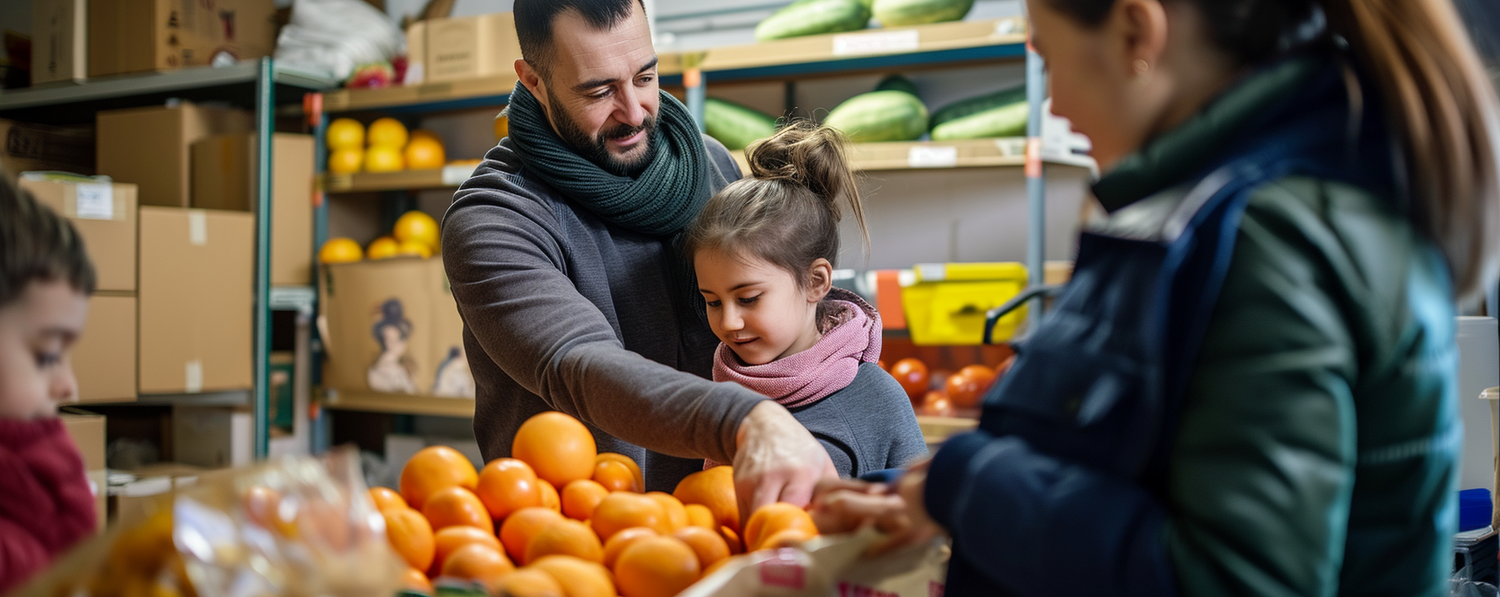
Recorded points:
851,336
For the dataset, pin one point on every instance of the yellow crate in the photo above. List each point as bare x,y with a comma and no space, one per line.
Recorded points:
948,302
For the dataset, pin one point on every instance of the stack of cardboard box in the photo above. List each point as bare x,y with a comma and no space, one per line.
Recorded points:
77,39
461,48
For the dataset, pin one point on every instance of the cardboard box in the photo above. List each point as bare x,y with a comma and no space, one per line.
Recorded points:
152,147
224,178
212,436
393,328
195,300
87,431
104,215
59,40
104,359
28,147
470,47
128,36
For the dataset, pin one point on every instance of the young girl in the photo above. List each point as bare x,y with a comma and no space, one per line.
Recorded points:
45,280
764,249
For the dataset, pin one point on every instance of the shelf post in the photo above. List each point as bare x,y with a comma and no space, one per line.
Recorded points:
265,126
697,94
1036,181
318,122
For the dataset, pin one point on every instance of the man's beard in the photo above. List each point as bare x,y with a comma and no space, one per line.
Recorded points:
594,149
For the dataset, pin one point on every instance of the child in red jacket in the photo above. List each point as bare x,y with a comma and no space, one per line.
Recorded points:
45,280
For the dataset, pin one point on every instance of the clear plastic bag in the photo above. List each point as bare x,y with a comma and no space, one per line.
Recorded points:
335,36
291,527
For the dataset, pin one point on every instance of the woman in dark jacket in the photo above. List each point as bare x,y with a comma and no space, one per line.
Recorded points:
1248,388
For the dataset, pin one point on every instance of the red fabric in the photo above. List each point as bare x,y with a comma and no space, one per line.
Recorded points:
45,503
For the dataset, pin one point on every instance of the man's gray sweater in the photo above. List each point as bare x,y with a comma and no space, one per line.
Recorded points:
563,311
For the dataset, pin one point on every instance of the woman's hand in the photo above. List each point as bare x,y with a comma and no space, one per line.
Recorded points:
778,460
842,506
920,527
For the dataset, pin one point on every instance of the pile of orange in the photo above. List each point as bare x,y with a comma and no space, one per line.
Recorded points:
386,146
562,519
415,234
959,393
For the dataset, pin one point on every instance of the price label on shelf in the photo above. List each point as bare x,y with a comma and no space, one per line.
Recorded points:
456,174
881,42
932,156
1012,147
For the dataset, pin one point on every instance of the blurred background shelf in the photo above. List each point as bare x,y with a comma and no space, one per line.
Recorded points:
448,177
73,103
919,155
943,44
402,404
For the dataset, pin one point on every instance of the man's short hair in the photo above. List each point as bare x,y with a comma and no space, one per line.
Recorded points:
534,20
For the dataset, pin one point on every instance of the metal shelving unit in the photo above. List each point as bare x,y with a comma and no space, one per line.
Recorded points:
260,85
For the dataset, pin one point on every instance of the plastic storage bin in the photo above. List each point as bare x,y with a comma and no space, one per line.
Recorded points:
947,302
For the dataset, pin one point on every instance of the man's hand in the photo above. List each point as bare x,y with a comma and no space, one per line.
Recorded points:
777,460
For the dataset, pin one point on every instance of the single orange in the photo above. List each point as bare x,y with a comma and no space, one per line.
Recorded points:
519,528
937,404
410,535
344,133
579,498
640,479
558,447
982,374
567,538
621,510
771,519
416,226
785,538
656,567
507,485
963,389
528,582
736,546
913,376
713,488
385,497
479,563
579,578
550,499
676,514
615,476
435,468
710,547
700,516
263,507
424,153
451,539
623,539
414,580
456,506
340,250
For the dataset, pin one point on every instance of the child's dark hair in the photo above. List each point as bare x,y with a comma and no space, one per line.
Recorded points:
787,212
37,245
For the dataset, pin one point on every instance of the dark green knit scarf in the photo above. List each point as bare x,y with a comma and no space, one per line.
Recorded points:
662,201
